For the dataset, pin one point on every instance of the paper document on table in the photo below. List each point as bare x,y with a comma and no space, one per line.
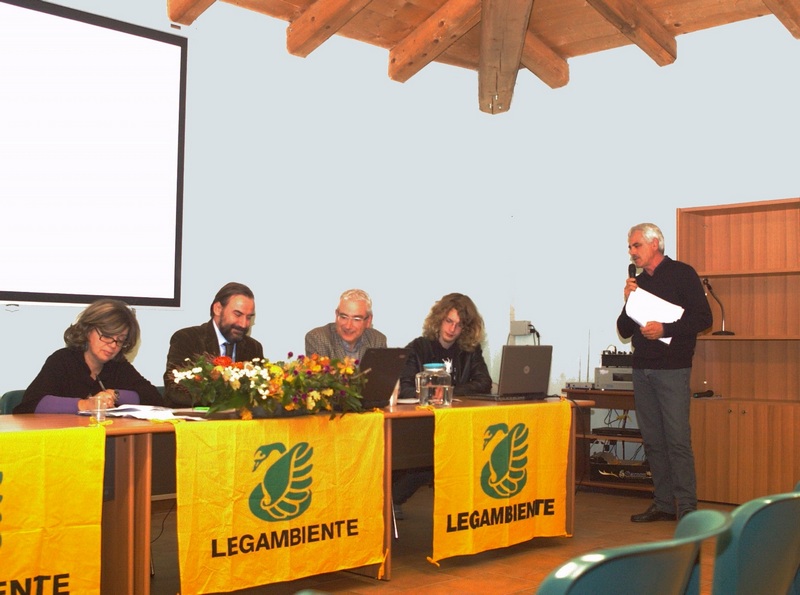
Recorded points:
644,307
148,412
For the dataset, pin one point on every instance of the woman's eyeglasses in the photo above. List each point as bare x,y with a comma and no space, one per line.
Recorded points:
109,340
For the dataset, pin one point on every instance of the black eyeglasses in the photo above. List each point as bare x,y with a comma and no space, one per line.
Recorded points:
356,319
109,340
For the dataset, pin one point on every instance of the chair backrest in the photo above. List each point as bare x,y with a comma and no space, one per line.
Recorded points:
795,590
657,568
10,400
760,553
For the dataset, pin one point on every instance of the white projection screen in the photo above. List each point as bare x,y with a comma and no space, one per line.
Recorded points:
92,117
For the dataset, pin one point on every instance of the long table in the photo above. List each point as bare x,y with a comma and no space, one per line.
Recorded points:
399,419
125,564
125,567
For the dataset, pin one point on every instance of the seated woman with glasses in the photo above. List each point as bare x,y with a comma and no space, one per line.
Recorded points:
92,364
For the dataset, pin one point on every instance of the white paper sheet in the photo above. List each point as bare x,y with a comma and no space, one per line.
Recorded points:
643,307
148,412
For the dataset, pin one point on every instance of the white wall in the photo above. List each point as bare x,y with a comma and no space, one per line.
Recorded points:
334,176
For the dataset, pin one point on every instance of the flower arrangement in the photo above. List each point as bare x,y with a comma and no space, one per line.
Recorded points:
304,385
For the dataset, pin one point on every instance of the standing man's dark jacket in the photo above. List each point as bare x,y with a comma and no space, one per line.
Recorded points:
677,283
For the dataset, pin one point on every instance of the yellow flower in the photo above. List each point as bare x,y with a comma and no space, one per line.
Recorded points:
311,399
346,366
245,413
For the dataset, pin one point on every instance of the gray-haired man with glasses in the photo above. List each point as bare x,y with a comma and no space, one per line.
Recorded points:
351,333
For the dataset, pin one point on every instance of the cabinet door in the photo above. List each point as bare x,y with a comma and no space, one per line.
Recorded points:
754,438
767,449
714,443
745,449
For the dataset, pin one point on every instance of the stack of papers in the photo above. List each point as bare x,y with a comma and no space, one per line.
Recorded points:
643,307
148,412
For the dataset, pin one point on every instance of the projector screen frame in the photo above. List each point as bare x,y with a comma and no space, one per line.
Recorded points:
168,293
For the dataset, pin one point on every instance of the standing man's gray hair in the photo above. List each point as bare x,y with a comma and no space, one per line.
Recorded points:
650,232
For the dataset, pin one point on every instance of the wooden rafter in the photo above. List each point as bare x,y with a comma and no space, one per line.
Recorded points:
788,13
636,23
432,37
186,11
498,38
504,24
541,60
319,23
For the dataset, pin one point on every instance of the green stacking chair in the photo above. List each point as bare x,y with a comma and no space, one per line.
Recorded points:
760,552
668,567
10,400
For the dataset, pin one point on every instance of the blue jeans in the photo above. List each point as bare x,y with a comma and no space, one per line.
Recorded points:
662,400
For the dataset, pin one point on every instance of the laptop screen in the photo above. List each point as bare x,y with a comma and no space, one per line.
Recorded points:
385,365
525,369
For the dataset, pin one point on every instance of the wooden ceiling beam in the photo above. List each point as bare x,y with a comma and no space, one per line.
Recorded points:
504,24
788,13
636,23
541,60
319,23
432,37
184,12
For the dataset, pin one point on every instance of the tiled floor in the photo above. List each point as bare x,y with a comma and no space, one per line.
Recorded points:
601,520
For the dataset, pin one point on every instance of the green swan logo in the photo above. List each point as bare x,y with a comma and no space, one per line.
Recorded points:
283,493
504,475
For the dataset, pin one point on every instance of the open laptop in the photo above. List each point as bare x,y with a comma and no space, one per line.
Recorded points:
524,374
385,365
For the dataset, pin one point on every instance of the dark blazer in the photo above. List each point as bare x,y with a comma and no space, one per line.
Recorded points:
191,342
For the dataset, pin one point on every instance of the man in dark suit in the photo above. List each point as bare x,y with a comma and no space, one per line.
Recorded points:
232,313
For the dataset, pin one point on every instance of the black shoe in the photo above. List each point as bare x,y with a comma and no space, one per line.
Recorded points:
652,514
684,512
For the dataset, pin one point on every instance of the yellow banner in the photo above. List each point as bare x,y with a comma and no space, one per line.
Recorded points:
499,476
51,500
272,500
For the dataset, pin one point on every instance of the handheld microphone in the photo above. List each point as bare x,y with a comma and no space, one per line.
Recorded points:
631,270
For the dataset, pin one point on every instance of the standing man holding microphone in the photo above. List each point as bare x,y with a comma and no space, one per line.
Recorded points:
661,371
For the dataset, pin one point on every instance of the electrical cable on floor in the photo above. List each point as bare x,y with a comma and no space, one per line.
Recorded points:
164,521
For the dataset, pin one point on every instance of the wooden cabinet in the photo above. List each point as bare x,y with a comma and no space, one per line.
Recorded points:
745,449
745,442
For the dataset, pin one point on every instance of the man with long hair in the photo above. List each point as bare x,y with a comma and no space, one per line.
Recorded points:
451,334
